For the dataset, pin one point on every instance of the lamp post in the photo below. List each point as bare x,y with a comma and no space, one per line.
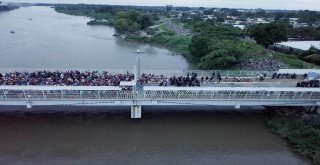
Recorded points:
139,64
139,67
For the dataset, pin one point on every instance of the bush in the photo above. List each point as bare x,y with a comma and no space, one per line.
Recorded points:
294,62
313,58
217,62
178,43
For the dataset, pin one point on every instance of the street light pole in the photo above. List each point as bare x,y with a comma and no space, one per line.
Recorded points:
138,74
139,66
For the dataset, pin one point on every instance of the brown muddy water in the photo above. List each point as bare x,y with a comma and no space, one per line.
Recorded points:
165,135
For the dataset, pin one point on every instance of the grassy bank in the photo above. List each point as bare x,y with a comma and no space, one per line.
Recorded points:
176,43
294,62
302,133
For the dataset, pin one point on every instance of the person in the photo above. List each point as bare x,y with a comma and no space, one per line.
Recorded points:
219,77
274,75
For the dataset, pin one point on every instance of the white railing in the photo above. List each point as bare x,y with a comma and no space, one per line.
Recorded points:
162,93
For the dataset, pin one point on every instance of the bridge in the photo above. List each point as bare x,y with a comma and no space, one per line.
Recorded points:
236,94
115,96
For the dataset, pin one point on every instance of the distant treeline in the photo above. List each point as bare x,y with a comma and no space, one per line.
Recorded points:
305,16
126,19
7,7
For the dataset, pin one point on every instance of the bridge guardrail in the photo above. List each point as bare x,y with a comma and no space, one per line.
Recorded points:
47,95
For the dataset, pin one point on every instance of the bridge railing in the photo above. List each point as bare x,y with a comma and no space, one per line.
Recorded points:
230,95
155,93
65,95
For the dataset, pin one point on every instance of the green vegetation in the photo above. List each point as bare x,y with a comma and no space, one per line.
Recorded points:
301,57
294,62
312,55
268,34
178,43
131,21
306,33
92,11
99,22
124,19
302,134
216,47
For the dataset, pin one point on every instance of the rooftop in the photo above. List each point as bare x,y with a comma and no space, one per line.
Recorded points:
302,45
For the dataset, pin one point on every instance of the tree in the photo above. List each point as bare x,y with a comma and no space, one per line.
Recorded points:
208,12
235,12
218,59
308,16
313,58
223,54
199,46
131,21
145,21
268,34
121,25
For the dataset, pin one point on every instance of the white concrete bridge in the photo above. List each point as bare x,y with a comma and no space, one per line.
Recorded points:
154,95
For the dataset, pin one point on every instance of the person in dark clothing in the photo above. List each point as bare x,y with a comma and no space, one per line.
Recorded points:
219,77
274,75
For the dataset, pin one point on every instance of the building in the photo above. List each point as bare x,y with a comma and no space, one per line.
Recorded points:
298,45
242,27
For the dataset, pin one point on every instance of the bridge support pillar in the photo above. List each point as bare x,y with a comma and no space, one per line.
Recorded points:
135,111
29,105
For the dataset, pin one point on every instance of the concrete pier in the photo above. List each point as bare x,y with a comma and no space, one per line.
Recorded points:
135,111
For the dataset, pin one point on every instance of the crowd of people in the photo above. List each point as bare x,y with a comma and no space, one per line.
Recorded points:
309,84
67,78
95,78
284,76
261,64
177,28
191,79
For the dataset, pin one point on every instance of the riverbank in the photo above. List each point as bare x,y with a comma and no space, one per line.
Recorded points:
176,43
203,44
300,129
256,58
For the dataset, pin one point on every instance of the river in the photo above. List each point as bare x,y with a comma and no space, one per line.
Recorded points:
107,135
165,135
55,40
